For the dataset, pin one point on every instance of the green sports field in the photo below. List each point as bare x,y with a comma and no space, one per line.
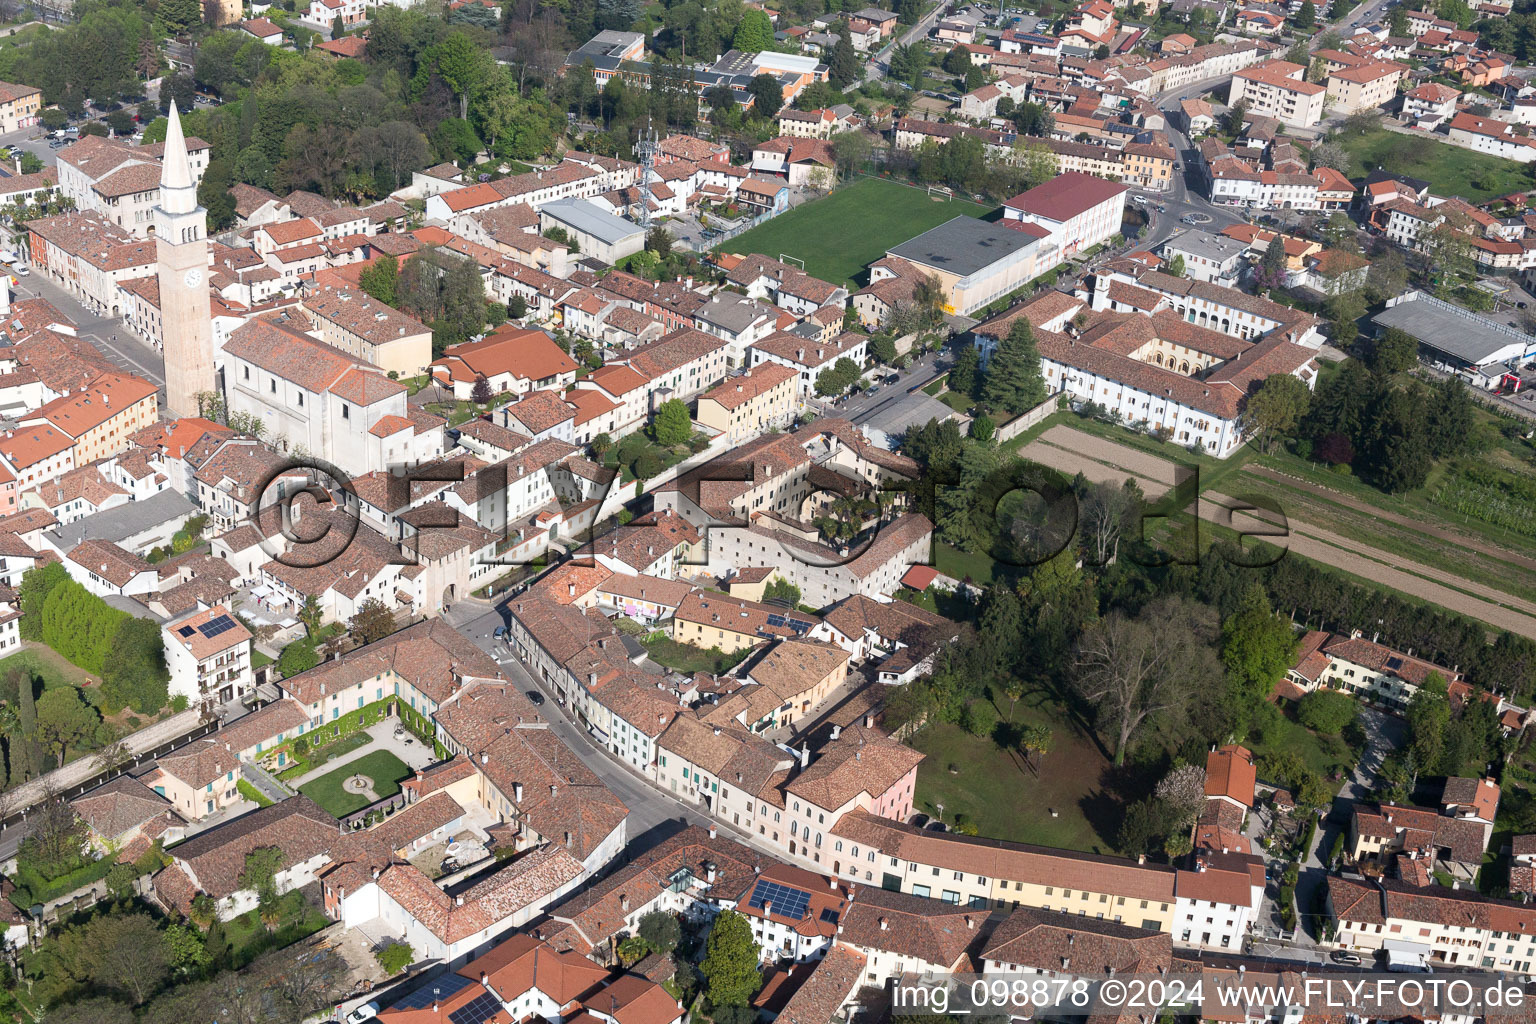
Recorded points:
840,235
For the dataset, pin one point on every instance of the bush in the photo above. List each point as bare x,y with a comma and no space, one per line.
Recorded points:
1327,711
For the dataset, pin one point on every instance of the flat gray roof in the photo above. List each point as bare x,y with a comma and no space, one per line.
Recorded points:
964,245
1455,331
591,219
1216,248
893,418
124,521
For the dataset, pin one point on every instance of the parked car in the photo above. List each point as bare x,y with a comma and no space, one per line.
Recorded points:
536,697
367,1011
1340,956
500,633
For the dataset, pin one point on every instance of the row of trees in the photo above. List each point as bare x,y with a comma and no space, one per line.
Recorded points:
127,652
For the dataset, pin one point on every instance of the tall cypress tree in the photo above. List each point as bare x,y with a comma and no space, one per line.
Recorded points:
26,709
1013,379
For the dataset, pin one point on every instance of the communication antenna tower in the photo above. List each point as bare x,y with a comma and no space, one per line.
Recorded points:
645,151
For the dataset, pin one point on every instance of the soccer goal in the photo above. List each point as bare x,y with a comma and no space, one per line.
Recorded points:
784,258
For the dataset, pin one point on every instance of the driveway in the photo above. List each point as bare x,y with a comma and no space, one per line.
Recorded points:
1383,734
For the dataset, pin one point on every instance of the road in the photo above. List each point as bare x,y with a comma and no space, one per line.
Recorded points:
652,814
106,333
859,406
879,64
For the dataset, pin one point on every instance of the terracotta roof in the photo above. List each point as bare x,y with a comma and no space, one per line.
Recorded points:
119,806
198,763
108,561
1043,940
1230,772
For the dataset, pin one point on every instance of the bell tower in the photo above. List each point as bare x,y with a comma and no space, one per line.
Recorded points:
181,250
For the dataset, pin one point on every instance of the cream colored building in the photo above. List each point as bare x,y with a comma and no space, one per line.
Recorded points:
1278,89
992,873
101,416
367,329
19,106
745,406
1363,87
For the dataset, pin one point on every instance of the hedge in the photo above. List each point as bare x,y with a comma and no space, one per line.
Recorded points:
31,887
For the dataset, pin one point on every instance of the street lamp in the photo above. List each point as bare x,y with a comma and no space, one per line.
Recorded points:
940,808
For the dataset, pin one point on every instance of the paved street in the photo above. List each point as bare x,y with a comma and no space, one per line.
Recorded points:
106,333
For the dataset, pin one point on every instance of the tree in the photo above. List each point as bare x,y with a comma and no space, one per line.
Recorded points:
517,307
1176,265
730,965
1013,381
480,394
125,953
1276,408
395,957
1106,513
1257,647
1132,669
1035,741
1307,16
94,1010
380,279
1429,719
964,375
1397,21
64,721
373,622
1182,792
843,67
296,658
983,429
659,241
462,66
754,32
186,951
1394,351
829,382
767,96
311,614
1327,711
672,425
660,931
136,675
1272,266
176,16
850,149
1237,115
1361,122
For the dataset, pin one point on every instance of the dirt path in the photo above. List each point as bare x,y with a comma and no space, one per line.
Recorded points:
1098,460
1448,534
1073,451
1442,588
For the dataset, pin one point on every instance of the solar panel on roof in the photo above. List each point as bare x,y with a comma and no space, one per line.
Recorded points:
776,620
186,631
1394,663
799,625
829,915
787,902
440,988
477,1011
213,627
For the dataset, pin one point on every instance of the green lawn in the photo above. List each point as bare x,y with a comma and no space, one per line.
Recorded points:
1450,170
1324,754
51,668
840,235
385,769
689,659
1063,801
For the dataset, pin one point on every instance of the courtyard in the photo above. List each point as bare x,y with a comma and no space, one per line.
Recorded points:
366,780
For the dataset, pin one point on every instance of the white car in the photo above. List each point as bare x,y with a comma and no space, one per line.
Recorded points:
367,1011
22,271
